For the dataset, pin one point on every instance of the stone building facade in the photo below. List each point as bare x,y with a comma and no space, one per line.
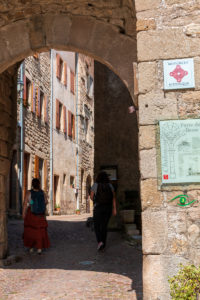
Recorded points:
64,131
126,36
36,130
85,105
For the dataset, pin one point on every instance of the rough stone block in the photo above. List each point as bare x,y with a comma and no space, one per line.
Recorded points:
155,232
147,77
177,233
148,163
54,26
156,270
3,148
150,196
143,25
147,4
166,44
18,43
147,137
154,107
188,104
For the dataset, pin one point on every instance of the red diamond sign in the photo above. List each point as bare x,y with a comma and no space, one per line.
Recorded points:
178,74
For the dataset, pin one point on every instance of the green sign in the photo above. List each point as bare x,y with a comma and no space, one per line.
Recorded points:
180,151
183,200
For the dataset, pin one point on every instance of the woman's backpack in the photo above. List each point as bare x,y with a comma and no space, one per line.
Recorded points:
104,194
37,202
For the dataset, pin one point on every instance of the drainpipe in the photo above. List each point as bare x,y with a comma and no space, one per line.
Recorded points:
21,175
77,140
51,137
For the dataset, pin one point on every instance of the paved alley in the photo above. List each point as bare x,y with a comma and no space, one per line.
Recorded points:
72,268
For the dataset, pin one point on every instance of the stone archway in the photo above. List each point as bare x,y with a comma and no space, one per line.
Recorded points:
20,39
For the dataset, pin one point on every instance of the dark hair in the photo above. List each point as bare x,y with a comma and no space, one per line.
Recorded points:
36,184
102,177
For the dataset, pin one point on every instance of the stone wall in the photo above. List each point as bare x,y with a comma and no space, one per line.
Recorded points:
166,29
36,130
8,103
86,128
116,131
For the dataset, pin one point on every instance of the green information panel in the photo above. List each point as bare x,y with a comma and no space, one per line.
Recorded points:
180,151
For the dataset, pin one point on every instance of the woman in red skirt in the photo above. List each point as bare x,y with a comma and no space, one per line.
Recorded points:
35,223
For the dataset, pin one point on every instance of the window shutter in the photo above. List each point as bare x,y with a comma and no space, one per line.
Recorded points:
57,115
33,98
25,92
57,65
72,82
36,170
69,123
38,103
73,124
45,175
64,119
65,73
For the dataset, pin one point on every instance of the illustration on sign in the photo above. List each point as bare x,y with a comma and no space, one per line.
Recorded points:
178,74
183,200
180,151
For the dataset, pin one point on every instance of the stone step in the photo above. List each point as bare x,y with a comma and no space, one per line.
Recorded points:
131,229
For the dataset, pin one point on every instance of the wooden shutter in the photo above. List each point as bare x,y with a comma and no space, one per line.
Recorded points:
38,102
33,98
45,175
69,123
73,126
25,92
72,82
64,120
57,114
36,170
65,73
57,65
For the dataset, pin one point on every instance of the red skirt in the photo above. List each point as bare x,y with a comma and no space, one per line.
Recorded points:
35,231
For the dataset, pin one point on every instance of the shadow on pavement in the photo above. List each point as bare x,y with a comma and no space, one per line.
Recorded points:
73,247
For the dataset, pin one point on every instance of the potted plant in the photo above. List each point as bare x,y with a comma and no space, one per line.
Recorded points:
186,284
57,207
78,211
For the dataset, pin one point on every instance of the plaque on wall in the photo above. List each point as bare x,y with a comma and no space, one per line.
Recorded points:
178,74
180,151
111,172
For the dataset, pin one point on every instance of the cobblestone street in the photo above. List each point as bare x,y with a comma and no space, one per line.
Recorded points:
72,268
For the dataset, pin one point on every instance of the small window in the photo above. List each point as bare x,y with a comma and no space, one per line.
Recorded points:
72,181
28,92
60,116
72,83
64,179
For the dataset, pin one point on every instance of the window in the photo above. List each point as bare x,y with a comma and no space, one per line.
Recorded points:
42,105
72,83
72,181
27,91
41,162
86,130
71,125
64,179
58,114
90,86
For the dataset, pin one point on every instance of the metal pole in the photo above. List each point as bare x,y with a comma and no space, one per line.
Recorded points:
51,137
77,138
21,89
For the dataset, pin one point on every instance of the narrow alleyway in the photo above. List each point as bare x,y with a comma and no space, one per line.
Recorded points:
71,268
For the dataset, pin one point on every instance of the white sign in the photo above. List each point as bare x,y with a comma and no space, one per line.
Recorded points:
180,151
178,74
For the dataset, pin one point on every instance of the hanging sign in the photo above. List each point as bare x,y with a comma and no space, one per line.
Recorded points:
178,74
180,151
